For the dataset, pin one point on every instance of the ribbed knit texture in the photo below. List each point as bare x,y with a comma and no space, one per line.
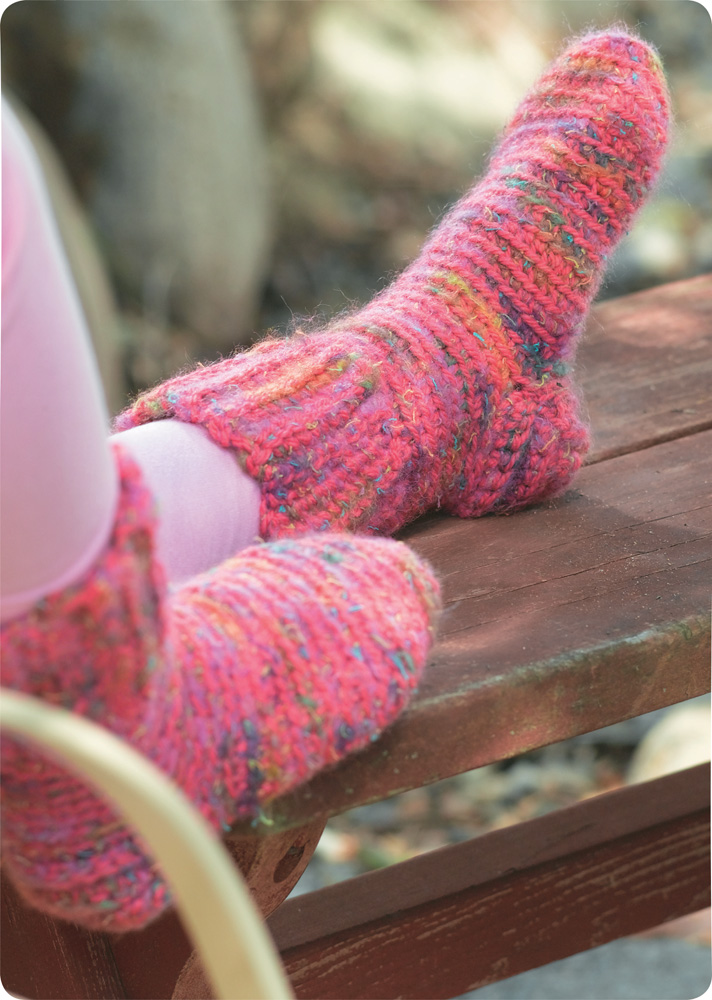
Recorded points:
240,685
451,388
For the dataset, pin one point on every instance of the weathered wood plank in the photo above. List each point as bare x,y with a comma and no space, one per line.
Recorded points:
559,620
149,961
467,915
645,366
53,960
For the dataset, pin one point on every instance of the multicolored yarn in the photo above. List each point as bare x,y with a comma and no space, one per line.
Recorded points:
240,685
452,388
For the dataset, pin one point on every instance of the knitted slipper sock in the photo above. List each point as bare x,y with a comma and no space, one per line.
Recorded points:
451,388
240,685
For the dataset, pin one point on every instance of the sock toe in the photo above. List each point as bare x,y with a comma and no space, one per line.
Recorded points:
337,630
603,111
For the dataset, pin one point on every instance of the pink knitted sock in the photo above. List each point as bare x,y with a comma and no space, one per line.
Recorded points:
452,387
239,685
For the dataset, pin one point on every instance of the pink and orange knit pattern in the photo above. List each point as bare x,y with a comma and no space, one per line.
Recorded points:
451,389
240,685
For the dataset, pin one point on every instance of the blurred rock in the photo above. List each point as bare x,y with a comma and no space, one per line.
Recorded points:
156,114
694,927
679,740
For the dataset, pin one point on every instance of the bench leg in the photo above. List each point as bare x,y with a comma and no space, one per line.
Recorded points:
273,865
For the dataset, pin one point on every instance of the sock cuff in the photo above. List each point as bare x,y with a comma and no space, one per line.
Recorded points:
106,627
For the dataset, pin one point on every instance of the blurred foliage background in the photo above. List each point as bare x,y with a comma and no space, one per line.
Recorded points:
385,111
225,166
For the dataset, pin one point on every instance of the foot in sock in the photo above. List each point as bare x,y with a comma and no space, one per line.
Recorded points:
451,388
239,685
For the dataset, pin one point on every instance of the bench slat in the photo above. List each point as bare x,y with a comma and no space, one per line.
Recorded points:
53,959
466,915
561,619
645,366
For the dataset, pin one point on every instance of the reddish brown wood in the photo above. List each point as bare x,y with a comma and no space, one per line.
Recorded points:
149,961
560,619
468,915
193,983
44,959
272,865
645,366
51,960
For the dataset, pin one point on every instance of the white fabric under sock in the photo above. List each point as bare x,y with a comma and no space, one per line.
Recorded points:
208,507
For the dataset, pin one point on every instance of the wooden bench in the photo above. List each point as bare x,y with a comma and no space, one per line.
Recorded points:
559,620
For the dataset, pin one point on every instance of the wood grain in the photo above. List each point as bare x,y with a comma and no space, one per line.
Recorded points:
645,367
53,960
467,915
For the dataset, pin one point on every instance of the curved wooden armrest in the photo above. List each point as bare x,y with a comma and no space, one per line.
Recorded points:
209,892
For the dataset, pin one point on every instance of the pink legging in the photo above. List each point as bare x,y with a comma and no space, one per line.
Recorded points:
58,483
